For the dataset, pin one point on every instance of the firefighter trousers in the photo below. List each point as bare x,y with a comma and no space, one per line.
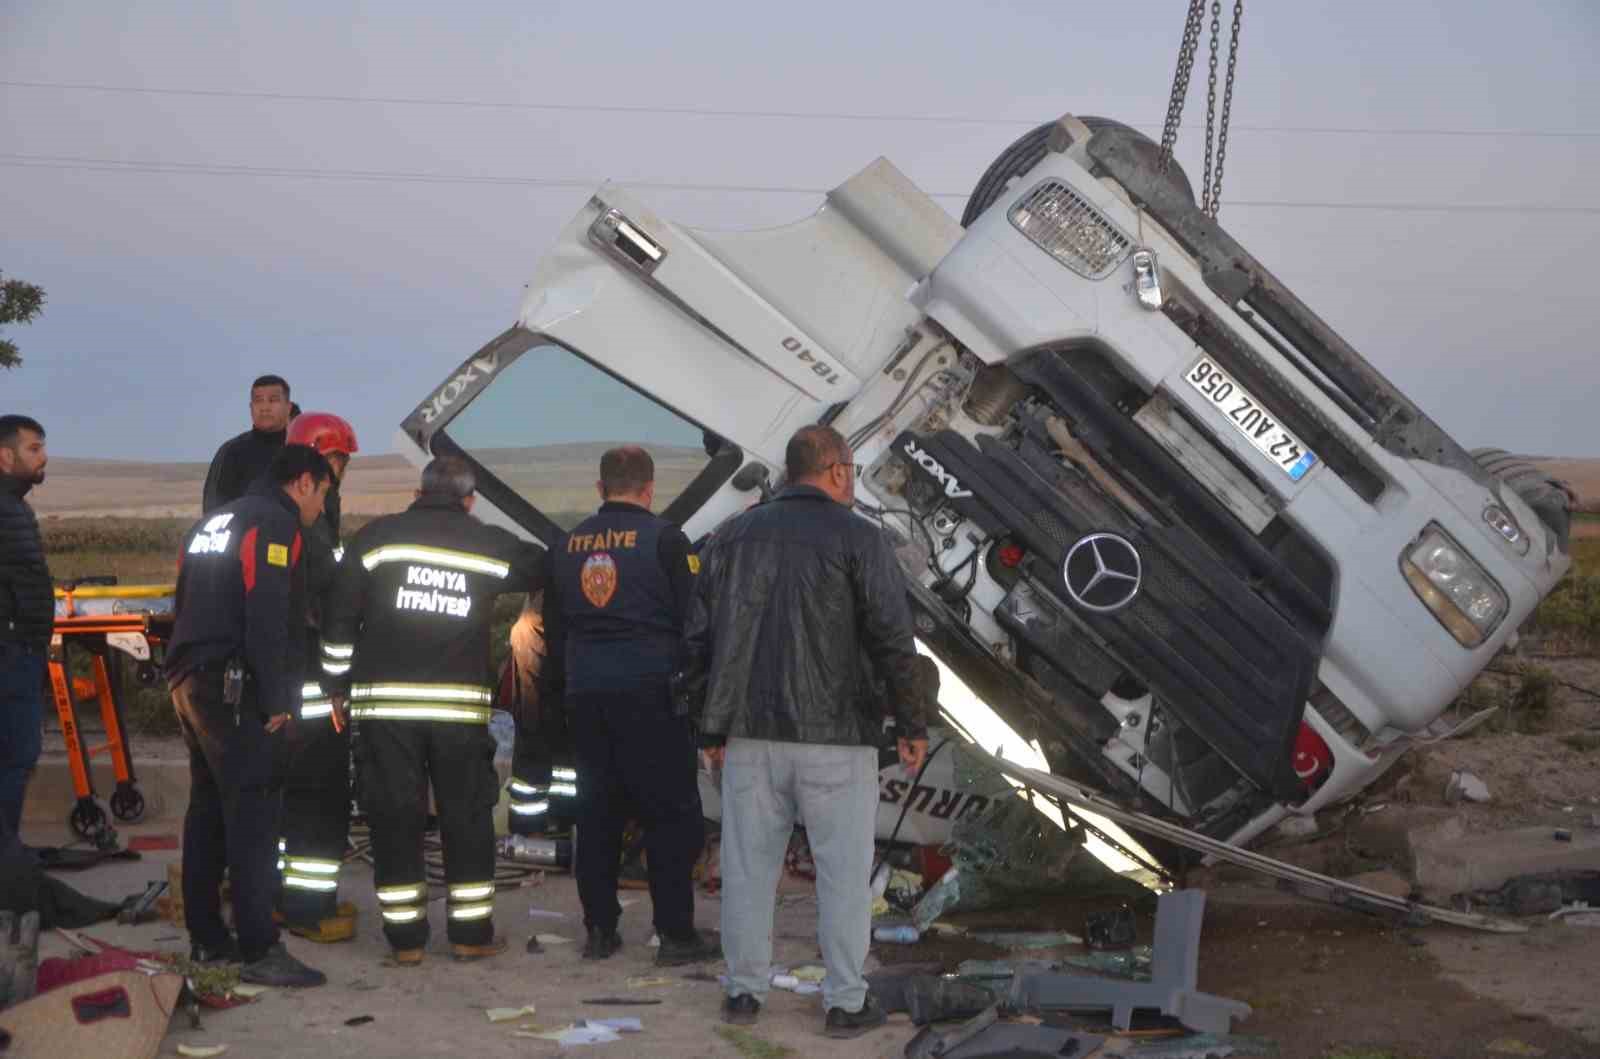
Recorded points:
543,794
232,821
397,761
637,761
316,820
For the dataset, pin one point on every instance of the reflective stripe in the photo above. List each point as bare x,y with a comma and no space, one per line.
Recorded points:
338,554
568,789
283,844
422,711
471,891
303,883
335,669
564,774
473,693
518,787
530,808
402,915
483,911
399,894
281,864
320,709
419,553
315,867
310,690
339,650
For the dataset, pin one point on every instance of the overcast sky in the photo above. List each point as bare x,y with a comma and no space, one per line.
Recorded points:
1422,172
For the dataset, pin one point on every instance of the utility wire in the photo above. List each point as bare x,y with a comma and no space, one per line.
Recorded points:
782,115
116,165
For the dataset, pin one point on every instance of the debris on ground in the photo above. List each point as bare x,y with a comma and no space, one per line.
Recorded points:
509,1014
621,1001
1464,785
1110,930
555,939
1133,964
1204,1046
586,1031
360,1020
1028,939
201,1051
647,982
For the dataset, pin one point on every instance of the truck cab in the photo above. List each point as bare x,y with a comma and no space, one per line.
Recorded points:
1152,511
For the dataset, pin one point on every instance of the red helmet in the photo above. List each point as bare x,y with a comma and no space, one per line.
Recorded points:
323,431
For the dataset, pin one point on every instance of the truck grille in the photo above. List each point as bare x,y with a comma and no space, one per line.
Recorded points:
1062,224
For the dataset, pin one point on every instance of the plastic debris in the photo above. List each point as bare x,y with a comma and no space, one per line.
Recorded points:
587,1031
900,934
1578,914
1465,785
810,973
648,982
880,907
543,913
509,1014
622,1025
794,985
1133,964
248,991
552,939
201,1051
359,1020
986,969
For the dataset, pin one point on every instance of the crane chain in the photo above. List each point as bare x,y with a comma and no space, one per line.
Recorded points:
1180,80
1227,107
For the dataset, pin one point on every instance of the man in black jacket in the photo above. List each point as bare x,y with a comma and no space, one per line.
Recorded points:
244,458
792,595
235,664
27,612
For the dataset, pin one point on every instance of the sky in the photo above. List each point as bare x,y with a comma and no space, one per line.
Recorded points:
353,195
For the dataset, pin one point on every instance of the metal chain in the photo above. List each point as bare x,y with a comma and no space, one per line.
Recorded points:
1227,107
1211,109
1180,80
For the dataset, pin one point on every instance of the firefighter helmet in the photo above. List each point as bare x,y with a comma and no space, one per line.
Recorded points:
323,431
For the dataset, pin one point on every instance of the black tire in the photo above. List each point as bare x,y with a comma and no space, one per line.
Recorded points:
87,820
1030,149
127,804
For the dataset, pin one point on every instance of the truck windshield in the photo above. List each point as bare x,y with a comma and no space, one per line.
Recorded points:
542,425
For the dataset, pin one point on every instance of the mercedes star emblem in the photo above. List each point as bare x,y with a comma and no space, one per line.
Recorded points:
1102,572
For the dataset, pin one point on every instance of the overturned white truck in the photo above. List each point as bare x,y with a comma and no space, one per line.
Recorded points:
1152,510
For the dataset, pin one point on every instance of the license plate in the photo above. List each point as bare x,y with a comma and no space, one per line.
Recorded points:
1251,419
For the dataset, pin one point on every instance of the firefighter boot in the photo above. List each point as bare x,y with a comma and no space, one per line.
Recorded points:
493,947
341,926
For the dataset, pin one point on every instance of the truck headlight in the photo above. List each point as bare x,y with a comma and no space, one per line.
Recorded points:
1452,585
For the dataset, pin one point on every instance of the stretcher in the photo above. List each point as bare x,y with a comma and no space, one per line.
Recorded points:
105,621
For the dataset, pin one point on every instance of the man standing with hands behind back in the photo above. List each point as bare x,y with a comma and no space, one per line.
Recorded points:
619,587
792,595
244,458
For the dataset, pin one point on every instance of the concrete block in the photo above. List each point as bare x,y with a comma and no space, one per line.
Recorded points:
1451,864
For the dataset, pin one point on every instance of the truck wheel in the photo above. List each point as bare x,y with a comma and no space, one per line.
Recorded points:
1031,147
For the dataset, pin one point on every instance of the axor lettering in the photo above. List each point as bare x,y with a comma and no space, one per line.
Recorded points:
450,392
925,460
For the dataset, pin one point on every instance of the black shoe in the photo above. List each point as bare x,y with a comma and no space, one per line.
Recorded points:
741,1010
698,949
206,956
278,968
842,1024
601,944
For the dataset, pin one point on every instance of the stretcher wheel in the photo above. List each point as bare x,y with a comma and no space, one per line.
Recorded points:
88,820
127,804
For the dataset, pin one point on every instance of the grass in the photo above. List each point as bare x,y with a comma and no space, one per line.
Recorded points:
750,1046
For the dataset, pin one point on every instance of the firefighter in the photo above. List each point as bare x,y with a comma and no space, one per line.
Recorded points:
405,653
316,789
617,593
234,667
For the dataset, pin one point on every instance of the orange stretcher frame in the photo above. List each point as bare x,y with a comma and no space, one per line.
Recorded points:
84,623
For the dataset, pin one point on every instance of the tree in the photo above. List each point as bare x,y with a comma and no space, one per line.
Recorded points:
19,303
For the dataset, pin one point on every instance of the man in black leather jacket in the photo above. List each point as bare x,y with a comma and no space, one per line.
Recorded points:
27,612
792,596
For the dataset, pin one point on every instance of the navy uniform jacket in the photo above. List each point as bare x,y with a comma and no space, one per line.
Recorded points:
619,589
406,633
241,591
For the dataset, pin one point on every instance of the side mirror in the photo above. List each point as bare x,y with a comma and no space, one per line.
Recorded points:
753,475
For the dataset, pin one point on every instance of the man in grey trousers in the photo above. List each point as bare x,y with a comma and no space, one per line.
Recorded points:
799,604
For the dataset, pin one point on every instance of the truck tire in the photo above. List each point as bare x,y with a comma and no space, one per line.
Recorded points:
1027,152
